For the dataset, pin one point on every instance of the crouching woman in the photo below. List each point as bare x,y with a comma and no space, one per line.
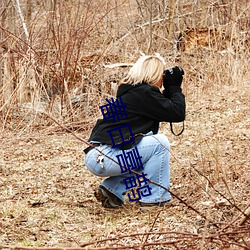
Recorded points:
142,107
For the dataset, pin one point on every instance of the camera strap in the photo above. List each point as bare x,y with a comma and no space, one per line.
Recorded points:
172,130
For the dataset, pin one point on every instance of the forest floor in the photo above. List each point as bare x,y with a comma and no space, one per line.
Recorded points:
46,192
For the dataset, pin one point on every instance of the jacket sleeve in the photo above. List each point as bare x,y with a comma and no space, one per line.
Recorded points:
169,107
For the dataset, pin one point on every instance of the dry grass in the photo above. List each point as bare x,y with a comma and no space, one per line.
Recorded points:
46,192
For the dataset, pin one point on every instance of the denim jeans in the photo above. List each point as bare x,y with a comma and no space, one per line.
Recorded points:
155,160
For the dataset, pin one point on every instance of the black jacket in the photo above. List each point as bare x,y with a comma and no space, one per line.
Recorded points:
146,107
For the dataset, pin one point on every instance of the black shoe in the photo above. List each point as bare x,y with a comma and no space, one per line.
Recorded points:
149,206
107,199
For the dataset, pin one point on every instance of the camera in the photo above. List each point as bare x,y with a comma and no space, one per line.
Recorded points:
171,70
173,76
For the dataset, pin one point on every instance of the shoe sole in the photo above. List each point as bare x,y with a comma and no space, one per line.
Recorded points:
102,196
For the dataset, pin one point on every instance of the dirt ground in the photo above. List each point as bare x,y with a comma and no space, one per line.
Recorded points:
46,192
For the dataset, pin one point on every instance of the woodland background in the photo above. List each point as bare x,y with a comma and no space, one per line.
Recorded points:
60,60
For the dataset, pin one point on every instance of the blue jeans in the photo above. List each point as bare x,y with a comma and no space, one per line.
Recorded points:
155,160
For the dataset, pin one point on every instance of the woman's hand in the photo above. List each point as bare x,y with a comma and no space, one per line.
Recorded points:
173,77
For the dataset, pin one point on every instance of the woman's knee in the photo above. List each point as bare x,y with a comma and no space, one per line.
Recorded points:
163,140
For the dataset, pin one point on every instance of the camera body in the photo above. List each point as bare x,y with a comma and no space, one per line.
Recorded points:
169,70
173,76
172,69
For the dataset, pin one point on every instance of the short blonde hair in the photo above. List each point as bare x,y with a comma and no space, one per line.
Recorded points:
148,69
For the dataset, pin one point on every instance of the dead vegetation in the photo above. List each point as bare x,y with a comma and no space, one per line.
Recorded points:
56,59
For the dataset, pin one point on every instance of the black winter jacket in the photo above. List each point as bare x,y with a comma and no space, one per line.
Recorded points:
146,107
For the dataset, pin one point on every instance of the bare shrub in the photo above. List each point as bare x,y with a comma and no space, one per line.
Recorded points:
67,67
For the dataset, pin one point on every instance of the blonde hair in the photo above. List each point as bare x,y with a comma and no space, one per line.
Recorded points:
148,69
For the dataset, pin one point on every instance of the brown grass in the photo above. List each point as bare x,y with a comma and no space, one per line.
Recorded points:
46,192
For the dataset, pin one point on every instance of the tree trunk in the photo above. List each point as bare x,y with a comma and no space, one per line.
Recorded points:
28,87
203,20
150,10
171,20
6,67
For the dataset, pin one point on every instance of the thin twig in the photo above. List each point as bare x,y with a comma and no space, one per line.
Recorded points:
134,172
246,217
216,190
19,11
147,235
175,237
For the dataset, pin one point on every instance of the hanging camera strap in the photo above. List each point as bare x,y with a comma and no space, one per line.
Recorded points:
172,130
